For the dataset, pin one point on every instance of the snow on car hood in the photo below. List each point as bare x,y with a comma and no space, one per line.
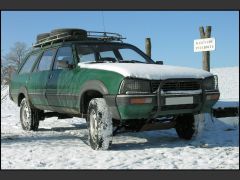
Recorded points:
148,71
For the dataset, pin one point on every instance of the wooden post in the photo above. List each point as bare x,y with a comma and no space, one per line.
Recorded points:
205,54
148,46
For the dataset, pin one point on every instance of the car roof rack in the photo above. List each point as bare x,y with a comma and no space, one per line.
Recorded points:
91,36
52,38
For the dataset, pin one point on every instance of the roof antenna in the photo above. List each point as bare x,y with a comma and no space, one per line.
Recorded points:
103,24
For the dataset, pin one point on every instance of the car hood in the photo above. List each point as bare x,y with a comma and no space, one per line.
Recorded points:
148,71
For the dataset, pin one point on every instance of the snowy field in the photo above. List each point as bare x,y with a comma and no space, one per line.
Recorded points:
62,144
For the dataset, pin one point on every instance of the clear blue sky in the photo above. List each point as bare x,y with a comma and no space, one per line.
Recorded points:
172,32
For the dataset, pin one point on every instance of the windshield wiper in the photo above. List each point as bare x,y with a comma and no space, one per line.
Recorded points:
130,61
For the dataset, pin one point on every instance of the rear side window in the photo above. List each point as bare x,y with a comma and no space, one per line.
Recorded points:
46,60
27,67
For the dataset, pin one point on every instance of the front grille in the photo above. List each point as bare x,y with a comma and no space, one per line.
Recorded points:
176,85
154,85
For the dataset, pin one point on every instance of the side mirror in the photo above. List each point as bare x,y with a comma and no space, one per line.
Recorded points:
63,64
159,62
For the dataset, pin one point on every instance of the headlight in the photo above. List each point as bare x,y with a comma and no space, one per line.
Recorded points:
135,86
211,83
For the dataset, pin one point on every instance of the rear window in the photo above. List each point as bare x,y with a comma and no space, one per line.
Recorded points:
27,67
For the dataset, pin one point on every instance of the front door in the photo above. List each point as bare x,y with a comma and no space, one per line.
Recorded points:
59,91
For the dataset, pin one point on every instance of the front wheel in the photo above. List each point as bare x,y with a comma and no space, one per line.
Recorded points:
29,117
100,126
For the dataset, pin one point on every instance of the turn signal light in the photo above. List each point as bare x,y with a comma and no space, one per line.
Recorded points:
140,100
213,97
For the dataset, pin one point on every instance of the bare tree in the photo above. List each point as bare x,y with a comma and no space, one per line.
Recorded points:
17,53
12,60
2,68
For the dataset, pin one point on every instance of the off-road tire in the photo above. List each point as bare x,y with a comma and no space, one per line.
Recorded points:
75,33
185,126
42,36
29,117
99,121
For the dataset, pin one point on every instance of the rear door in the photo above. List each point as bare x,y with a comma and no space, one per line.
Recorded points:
21,78
59,91
39,77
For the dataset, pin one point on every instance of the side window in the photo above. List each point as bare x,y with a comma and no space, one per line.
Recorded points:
129,54
27,67
87,57
86,53
46,60
64,54
107,54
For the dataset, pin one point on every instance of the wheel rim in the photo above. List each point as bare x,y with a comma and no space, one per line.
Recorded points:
26,116
93,125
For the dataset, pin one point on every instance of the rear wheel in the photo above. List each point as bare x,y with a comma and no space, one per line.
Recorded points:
100,126
29,117
185,126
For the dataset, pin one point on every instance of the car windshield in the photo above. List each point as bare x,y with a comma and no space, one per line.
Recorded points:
116,53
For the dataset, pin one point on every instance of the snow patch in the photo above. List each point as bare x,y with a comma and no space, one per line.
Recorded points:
228,82
148,71
62,144
199,122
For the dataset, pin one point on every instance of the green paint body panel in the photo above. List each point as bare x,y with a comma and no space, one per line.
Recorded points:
65,81
135,111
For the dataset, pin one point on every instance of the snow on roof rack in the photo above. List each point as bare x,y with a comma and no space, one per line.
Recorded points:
91,36
105,36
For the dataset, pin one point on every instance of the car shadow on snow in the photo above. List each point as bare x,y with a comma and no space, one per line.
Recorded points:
36,139
62,129
147,140
219,135
44,135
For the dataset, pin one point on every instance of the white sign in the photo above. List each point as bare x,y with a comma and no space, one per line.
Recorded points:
207,44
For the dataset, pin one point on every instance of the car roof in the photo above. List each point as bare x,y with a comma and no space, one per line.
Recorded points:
37,49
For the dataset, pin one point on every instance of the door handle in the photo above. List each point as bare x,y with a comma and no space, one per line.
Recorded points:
51,75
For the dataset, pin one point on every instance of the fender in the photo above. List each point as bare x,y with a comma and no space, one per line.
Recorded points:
94,85
23,90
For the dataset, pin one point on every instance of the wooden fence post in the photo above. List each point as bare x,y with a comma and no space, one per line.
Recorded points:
148,46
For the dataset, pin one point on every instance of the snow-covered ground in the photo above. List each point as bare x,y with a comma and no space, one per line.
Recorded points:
62,144
228,82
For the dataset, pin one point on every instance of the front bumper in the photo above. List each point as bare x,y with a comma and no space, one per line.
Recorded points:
161,104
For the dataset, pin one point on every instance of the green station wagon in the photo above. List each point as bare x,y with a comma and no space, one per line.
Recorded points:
114,85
